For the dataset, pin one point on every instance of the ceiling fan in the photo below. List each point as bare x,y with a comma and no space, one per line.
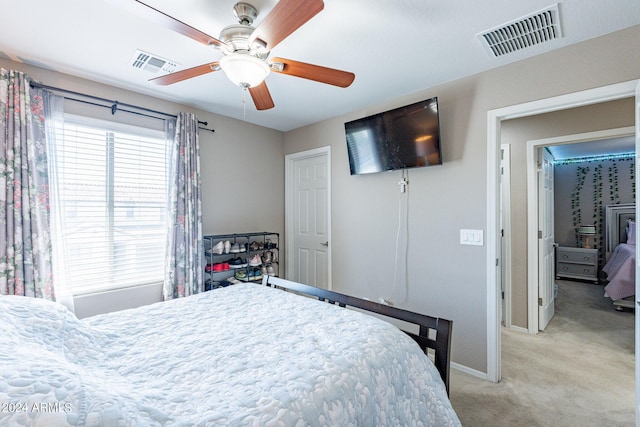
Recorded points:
246,49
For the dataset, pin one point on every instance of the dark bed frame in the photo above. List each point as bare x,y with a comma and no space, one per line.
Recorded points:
428,326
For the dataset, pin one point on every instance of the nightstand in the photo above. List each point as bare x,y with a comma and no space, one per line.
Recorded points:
577,263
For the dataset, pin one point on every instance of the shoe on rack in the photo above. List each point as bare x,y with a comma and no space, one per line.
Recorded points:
235,248
233,280
255,260
271,271
241,275
208,268
254,246
266,257
227,246
255,274
217,249
237,263
263,270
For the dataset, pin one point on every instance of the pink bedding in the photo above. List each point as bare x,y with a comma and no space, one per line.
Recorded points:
621,273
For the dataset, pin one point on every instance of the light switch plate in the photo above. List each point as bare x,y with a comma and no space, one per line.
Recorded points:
471,237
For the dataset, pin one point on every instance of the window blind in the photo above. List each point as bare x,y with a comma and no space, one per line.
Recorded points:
112,197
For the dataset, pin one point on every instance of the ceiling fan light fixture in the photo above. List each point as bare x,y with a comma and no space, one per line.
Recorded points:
244,70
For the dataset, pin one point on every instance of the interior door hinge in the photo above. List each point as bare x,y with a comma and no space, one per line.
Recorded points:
539,234
540,302
502,294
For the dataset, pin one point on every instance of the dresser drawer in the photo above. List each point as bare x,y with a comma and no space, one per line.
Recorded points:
564,255
577,263
576,270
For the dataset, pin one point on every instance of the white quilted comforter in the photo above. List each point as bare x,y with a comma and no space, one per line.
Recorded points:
245,355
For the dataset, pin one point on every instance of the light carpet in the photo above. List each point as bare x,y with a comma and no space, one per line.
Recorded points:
578,372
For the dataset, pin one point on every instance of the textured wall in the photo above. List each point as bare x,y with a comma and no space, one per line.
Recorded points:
582,191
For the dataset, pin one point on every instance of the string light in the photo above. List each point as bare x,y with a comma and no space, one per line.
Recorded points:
595,158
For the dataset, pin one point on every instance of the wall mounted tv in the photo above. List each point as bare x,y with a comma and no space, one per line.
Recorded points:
405,137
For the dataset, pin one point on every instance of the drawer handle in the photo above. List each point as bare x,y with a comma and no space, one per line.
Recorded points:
565,256
586,258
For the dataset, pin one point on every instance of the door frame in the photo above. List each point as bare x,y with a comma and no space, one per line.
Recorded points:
532,207
494,136
505,194
636,311
289,217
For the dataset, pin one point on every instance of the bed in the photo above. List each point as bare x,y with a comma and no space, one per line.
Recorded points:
244,355
620,253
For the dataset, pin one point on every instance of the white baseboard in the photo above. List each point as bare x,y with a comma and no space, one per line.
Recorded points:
518,329
467,370
478,374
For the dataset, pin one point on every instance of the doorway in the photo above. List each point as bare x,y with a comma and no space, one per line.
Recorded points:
494,121
533,216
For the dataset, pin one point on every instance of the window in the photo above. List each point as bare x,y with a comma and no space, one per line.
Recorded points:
109,204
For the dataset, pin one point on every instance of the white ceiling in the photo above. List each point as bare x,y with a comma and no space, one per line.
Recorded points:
608,147
394,47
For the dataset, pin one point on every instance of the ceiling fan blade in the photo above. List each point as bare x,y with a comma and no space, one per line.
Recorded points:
261,96
285,17
189,73
159,17
313,72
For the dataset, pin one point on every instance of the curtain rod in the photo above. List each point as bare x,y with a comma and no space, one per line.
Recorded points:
113,105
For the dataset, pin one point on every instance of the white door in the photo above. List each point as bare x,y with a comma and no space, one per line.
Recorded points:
308,225
546,239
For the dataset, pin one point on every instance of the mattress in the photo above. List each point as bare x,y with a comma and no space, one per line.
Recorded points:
245,355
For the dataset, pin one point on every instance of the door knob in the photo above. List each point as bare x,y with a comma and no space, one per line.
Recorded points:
325,243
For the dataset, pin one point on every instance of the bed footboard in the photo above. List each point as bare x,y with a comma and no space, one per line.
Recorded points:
434,333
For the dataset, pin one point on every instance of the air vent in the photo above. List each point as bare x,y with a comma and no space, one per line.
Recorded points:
537,28
152,63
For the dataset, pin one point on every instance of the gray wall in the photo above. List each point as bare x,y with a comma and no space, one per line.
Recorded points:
595,195
242,173
446,278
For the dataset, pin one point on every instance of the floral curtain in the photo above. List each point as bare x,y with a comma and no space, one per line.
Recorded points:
25,244
185,257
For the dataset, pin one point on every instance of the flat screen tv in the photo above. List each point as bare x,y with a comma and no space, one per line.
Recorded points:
405,137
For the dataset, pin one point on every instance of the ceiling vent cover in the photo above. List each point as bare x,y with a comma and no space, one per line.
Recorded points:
539,27
152,63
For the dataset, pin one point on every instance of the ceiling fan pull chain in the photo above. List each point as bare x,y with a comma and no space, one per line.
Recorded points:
244,103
